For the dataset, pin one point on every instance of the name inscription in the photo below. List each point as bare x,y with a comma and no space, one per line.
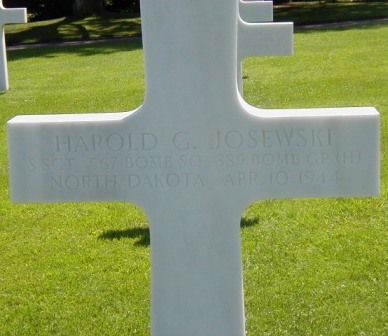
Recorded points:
231,139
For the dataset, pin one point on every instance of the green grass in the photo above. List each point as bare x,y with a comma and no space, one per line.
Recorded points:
319,267
311,267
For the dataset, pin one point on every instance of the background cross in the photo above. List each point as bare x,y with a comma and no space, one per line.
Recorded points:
10,15
258,12
255,11
194,155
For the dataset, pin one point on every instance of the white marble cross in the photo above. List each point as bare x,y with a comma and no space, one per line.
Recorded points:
11,15
194,156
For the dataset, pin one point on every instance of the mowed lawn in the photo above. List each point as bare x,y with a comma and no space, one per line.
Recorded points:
311,266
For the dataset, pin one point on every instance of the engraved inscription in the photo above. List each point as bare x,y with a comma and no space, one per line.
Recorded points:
257,157
113,142
50,164
240,178
234,139
75,182
171,180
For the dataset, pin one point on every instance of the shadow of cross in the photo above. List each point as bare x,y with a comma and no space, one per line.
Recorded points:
10,15
193,156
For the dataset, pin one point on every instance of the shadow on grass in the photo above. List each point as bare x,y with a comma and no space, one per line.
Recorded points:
142,235
88,48
69,28
338,27
326,12
247,222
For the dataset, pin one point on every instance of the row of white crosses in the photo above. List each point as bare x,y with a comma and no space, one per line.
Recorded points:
249,11
11,15
193,156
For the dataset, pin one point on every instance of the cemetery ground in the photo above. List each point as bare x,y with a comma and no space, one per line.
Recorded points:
311,266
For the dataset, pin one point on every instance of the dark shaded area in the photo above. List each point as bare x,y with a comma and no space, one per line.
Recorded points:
141,235
112,26
327,12
340,26
247,222
39,10
84,49
299,11
127,6
42,9
291,2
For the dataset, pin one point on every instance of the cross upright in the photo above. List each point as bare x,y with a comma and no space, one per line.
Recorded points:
10,15
194,156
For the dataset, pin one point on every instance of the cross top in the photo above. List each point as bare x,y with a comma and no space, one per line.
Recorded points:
194,155
194,63
13,15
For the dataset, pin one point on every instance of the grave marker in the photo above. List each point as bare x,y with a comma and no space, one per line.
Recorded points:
10,15
194,156
257,12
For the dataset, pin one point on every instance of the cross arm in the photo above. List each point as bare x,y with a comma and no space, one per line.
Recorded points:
337,154
266,39
331,152
12,15
256,11
75,157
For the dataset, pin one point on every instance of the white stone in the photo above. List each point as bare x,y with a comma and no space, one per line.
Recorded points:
256,11
193,156
10,15
254,38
